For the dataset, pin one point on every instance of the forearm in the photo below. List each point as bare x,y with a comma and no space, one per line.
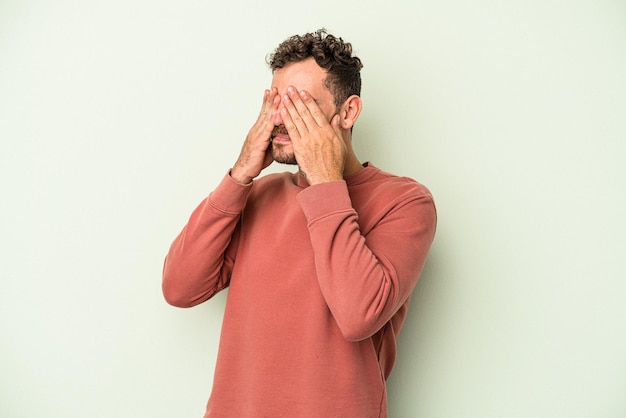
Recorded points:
366,279
200,259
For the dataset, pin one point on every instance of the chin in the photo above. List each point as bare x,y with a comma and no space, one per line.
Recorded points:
291,160
281,156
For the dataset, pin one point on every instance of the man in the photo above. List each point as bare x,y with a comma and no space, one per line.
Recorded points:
320,263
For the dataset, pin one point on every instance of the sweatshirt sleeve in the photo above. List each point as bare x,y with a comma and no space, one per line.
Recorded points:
200,260
366,279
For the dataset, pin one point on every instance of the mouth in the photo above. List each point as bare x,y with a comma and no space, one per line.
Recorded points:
280,135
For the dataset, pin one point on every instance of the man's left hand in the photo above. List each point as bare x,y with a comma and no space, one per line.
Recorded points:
317,143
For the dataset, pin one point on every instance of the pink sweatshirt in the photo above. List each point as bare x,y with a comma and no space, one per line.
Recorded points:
319,281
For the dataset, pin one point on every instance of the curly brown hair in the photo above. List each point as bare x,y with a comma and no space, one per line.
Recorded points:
331,53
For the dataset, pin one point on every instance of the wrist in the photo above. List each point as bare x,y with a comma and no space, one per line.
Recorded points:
239,177
312,180
317,177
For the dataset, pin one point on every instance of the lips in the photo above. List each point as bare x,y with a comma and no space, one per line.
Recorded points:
280,135
281,139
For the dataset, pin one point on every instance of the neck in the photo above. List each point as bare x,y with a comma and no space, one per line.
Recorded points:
352,165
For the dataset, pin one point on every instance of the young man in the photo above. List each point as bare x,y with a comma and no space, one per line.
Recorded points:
320,264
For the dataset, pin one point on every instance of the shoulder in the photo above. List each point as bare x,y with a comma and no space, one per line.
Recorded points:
384,186
399,202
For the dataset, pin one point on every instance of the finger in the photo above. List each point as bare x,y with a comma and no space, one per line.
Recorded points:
290,124
313,108
299,112
273,105
264,107
268,116
271,95
269,101
262,128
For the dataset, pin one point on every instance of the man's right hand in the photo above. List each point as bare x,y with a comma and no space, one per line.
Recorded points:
256,153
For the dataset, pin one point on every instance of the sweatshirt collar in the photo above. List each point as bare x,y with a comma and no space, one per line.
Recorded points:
361,176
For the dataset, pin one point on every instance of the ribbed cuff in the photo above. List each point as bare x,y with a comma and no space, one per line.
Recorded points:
324,199
230,196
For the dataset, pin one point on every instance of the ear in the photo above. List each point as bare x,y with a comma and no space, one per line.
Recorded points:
349,112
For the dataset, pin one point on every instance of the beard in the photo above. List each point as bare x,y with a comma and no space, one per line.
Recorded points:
279,153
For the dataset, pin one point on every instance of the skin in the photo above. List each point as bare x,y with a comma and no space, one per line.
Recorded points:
300,123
